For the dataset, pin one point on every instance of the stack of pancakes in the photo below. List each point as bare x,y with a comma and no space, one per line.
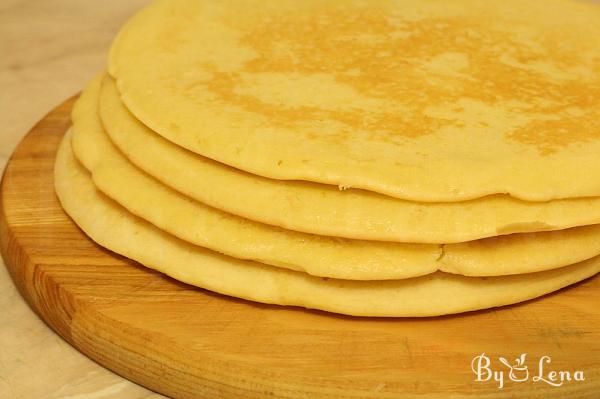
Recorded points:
379,158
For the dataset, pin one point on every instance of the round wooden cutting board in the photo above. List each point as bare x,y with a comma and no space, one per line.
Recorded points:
189,343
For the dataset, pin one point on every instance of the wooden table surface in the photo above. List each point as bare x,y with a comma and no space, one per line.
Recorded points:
49,49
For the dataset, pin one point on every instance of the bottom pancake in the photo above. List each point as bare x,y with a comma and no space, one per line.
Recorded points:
439,293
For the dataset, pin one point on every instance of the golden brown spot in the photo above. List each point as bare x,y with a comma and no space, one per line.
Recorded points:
394,71
563,124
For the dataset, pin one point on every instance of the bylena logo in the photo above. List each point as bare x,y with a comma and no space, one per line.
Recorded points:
518,371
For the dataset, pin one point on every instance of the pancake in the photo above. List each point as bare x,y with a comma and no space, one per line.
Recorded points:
439,293
323,209
348,259
521,253
232,235
326,256
432,101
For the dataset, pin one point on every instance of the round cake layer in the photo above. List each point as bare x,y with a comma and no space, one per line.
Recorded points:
433,101
322,209
317,255
439,293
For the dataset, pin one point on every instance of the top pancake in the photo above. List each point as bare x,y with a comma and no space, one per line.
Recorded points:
422,100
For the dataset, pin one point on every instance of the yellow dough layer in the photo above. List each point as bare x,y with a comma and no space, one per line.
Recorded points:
202,225
116,229
322,209
433,101
513,254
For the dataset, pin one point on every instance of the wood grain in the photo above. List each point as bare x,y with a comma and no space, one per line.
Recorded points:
186,342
